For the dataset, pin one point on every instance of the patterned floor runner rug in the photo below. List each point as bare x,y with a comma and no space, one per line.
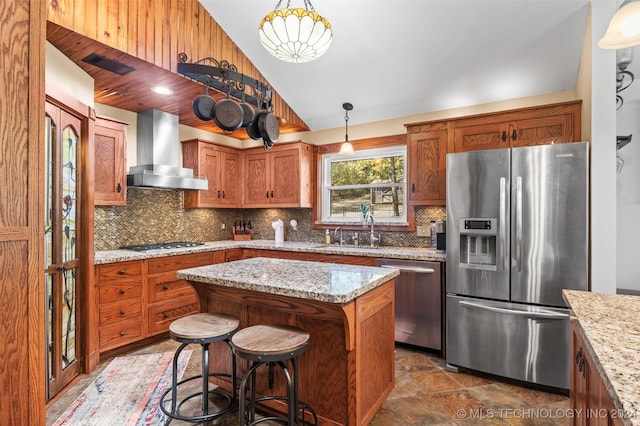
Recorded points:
127,392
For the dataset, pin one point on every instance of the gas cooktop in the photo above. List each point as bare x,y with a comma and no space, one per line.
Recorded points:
162,246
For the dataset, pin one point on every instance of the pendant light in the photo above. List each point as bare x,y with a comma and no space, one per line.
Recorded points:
624,27
346,148
295,35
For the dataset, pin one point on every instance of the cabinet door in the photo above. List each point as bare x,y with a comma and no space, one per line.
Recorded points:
256,188
230,176
481,136
542,131
110,179
285,181
427,167
210,162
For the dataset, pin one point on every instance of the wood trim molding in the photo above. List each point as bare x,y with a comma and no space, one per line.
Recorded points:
360,144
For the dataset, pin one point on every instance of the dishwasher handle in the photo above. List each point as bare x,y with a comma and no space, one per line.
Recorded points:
415,269
545,315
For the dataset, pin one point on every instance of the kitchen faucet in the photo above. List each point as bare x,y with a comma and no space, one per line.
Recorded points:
341,240
368,218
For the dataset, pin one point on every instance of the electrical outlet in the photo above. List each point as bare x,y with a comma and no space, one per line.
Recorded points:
423,231
223,226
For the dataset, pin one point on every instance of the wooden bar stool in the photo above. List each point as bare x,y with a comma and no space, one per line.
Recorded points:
202,329
271,345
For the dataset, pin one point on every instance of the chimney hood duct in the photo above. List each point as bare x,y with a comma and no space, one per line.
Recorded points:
158,155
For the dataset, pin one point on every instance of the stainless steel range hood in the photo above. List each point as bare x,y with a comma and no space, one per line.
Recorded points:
158,155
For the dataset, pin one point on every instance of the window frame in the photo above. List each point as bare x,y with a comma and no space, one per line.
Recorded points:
324,192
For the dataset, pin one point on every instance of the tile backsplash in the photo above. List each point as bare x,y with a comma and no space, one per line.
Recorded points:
155,216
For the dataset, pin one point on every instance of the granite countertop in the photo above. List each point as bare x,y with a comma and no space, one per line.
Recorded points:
325,282
611,328
410,253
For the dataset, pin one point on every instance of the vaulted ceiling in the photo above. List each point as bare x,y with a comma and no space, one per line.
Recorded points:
397,58
389,59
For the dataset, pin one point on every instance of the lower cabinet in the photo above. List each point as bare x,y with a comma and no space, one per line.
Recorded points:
590,401
170,298
140,299
119,304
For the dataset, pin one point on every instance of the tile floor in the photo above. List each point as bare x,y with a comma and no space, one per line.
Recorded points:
425,393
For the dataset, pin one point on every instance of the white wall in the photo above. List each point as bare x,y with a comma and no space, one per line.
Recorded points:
63,74
603,153
628,184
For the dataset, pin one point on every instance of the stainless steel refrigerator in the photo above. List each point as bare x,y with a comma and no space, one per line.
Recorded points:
517,234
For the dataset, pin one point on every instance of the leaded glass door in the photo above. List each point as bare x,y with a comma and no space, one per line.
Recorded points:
62,134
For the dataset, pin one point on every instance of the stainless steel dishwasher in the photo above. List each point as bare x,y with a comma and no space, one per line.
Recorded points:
418,316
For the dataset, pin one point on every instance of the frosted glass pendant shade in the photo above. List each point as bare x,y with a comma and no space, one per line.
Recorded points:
295,35
624,28
346,149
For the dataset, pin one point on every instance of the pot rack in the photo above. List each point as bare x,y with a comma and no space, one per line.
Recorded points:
224,77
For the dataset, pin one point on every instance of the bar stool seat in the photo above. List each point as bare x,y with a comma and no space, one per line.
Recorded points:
271,345
202,329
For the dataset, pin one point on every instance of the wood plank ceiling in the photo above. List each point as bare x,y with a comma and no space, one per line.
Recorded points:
132,91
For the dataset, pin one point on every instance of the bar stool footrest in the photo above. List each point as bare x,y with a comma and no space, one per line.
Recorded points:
177,415
303,408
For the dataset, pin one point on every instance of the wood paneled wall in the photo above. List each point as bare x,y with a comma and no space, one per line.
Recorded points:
22,368
156,31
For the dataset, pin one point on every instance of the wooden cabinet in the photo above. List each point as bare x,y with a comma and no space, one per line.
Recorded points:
140,299
169,298
348,370
589,398
427,161
222,166
110,179
558,123
119,304
280,177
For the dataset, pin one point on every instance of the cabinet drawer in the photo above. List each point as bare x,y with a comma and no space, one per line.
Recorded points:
121,291
161,289
162,314
120,311
174,263
121,333
119,271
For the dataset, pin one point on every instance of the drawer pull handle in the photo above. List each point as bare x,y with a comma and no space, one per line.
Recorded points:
122,312
122,291
165,287
122,333
119,188
122,271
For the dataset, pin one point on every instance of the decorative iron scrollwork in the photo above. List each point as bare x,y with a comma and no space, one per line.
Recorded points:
224,77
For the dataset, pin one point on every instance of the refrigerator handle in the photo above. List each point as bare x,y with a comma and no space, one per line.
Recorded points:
545,315
503,262
518,236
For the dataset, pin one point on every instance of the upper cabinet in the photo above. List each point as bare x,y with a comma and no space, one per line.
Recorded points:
279,177
429,142
222,166
427,153
110,179
558,123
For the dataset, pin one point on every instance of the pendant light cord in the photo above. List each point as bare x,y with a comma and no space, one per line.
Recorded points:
346,125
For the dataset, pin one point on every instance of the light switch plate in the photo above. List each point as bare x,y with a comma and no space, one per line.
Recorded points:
423,231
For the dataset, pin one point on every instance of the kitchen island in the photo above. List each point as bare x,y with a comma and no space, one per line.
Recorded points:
605,379
348,371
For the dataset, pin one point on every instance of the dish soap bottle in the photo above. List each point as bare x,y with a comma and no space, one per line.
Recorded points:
327,237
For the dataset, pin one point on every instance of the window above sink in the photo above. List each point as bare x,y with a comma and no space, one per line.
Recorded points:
371,178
